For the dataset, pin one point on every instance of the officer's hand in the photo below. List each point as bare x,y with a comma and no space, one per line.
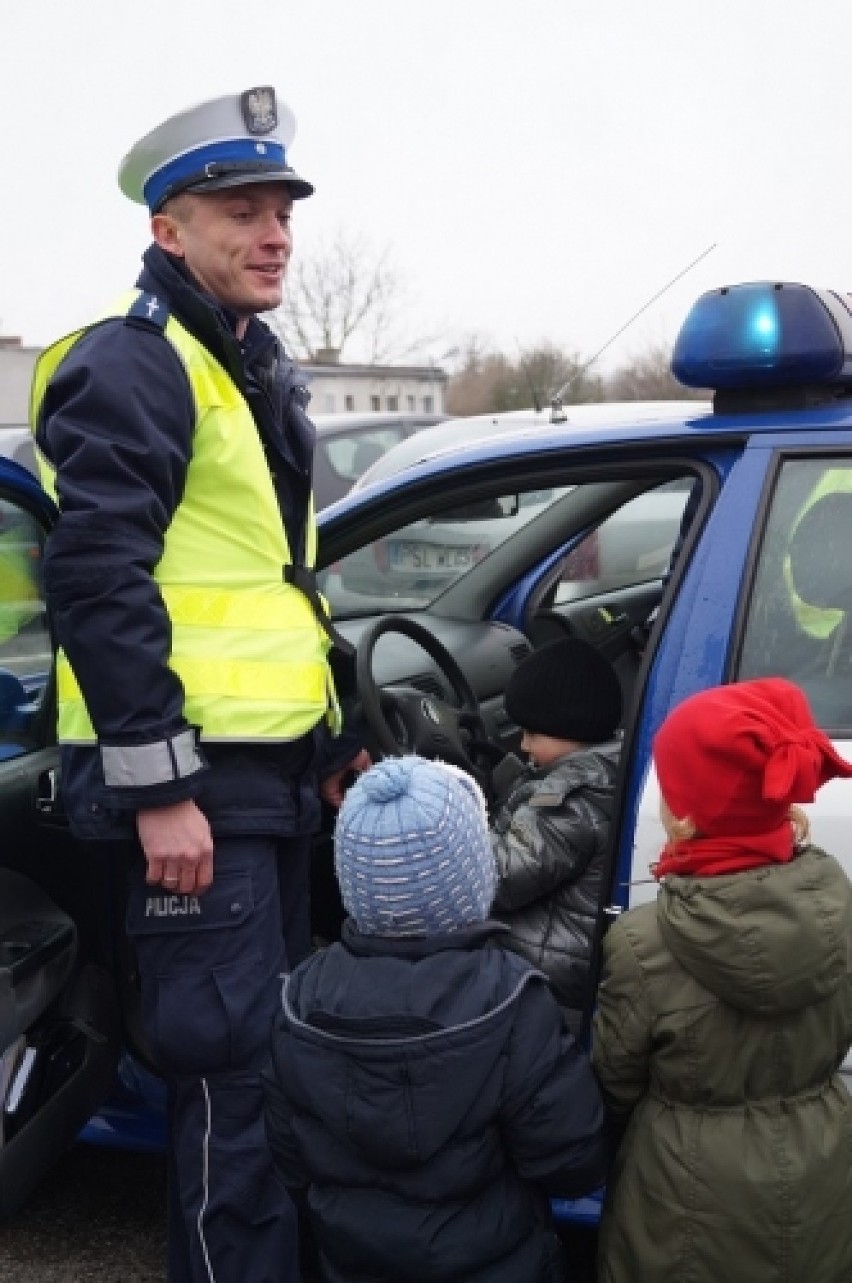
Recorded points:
333,787
178,846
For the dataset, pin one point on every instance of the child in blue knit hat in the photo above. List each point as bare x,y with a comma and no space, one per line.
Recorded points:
425,1096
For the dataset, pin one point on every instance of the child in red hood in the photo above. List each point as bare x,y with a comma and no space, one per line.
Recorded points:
725,1012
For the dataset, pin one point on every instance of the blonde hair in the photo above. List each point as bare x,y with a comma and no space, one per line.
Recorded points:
801,827
181,207
681,830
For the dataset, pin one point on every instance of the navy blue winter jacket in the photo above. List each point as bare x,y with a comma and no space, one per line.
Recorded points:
427,1097
117,423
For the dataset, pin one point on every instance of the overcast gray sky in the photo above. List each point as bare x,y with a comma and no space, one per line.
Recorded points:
537,168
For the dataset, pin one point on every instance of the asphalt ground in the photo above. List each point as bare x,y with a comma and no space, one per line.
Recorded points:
100,1217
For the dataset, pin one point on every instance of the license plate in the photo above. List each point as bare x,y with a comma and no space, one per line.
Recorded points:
406,555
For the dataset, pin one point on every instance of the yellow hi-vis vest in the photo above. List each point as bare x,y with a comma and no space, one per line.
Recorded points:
247,647
818,622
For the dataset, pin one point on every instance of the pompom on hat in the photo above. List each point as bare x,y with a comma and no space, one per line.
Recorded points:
568,690
223,142
412,850
733,759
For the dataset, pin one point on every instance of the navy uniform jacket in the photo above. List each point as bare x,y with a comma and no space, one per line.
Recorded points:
117,424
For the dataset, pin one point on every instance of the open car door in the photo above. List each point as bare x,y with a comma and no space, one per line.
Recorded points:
59,1025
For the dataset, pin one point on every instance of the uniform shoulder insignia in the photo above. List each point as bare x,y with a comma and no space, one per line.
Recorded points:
148,310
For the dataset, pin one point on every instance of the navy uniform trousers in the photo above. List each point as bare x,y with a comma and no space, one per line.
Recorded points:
210,968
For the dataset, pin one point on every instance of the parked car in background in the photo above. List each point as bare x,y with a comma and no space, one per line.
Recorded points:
453,434
347,444
755,581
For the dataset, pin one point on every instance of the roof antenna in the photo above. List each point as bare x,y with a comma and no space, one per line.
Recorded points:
558,414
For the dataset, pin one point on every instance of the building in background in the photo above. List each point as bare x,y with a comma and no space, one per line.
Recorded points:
335,388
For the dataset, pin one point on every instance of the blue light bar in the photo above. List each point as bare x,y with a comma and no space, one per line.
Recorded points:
765,334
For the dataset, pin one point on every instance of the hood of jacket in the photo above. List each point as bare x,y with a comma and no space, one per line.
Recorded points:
393,1041
769,941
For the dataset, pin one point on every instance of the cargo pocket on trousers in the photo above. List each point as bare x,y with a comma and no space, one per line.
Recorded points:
203,1002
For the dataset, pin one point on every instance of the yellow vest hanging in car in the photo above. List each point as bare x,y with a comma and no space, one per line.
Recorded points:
20,596
247,646
818,622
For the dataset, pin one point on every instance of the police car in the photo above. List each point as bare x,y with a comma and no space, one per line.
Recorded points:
754,578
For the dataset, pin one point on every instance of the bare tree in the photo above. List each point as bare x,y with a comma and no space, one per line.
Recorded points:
648,377
542,371
488,380
473,386
341,293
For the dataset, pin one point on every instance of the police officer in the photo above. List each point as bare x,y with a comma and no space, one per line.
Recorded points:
197,710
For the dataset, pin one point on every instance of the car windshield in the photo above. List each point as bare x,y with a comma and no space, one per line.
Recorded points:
410,567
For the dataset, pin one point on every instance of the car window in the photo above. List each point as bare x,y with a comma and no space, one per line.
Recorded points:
798,619
632,546
411,566
349,456
24,637
18,444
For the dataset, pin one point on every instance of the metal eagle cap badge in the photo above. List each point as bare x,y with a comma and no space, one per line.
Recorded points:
259,110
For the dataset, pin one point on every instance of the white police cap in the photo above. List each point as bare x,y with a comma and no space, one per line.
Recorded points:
225,142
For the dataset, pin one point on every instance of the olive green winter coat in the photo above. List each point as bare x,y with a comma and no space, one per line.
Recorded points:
724,1014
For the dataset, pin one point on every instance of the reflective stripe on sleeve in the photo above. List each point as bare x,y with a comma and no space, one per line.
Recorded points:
139,765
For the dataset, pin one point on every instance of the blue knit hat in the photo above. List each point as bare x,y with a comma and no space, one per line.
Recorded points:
412,850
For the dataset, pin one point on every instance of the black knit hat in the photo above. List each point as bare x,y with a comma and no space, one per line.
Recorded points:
567,690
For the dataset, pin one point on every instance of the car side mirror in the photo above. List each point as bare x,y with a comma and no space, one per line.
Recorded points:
501,506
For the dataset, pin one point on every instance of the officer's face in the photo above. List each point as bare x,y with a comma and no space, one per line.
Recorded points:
235,242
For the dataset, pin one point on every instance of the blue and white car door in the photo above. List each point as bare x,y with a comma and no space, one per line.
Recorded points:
737,615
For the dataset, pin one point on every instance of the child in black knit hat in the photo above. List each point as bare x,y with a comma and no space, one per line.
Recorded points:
551,832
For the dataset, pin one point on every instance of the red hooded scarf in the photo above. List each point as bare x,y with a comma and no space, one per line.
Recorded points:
733,760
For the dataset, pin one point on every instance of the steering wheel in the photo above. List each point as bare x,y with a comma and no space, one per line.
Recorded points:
405,720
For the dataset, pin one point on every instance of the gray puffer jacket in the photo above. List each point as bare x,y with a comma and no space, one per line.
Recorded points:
550,838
